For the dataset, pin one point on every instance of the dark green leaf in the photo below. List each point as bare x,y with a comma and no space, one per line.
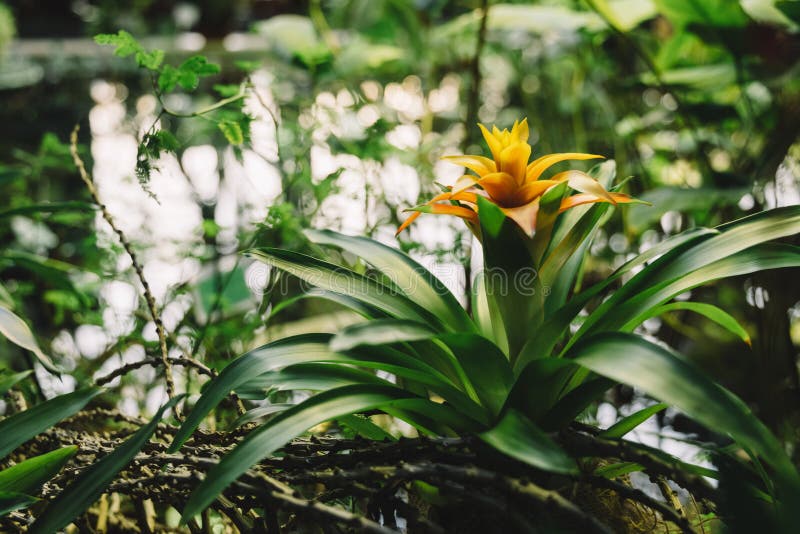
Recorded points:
92,482
516,436
10,501
287,425
659,373
22,426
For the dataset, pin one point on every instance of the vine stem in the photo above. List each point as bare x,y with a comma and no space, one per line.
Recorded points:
148,294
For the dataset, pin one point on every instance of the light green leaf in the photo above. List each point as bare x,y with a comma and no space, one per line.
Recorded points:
312,347
682,261
626,15
247,372
29,475
232,131
9,381
409,277
380,332
22,426
340,280
512,284
708,311
618,469
516,436
631,360
365,428
16,331
626,424
92,482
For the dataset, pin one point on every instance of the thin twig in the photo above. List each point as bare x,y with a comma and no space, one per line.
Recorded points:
148,294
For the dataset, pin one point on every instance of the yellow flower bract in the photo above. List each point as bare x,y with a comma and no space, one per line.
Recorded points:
511,181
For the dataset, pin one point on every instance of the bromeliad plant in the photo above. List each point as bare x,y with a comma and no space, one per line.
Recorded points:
525,362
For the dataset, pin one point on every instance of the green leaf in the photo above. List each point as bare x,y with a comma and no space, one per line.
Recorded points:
246,371
539,386
22,426
626,424
663,375
709,311
168,79
380,332
260,413
409,277
340,280
516,436
28,476
125,43
484,366
618,469
758,258
285,426
232,131
313,347
365,428
544,339
790,8
625,15
314,377
16,331
8,381
573,403
512,284
49,207
92,482
717,13
684,260
10,501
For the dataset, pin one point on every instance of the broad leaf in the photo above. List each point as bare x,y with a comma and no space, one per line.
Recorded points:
411,278
15,329
485,367
516,436
512,284
661,374
380,332
340,280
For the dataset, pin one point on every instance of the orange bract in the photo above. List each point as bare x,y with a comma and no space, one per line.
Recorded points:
511,182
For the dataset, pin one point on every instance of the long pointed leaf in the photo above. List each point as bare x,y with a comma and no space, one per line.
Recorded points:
416,282
92,482
340,280
659,373
28,476
22,426
285,426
